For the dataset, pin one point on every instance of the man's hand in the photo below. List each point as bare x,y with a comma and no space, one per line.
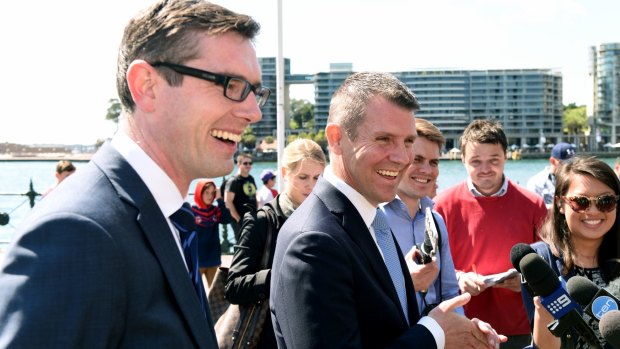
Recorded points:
471,283
422,275
513,284
462,333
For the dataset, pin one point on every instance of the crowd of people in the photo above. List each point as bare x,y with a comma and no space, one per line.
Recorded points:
361,252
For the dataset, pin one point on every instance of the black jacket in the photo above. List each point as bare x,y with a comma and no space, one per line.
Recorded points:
246,282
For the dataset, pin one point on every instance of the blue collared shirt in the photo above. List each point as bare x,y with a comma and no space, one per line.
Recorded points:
502,190
543,184
409,232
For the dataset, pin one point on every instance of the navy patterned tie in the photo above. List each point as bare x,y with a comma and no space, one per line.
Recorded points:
184,221
388,247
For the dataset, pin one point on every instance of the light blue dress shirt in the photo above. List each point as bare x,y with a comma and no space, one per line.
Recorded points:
543,184
409,232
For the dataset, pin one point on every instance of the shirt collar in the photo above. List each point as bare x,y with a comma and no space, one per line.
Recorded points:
502,190
399,206
365,208
163,189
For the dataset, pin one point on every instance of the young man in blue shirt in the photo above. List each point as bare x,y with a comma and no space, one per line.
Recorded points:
434,281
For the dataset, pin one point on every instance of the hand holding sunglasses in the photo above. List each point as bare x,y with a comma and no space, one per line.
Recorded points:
603,203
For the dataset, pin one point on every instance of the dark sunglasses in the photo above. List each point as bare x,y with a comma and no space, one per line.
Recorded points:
236,89
603,203
247,163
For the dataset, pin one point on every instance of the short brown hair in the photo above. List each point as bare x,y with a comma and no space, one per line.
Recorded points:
484,132
427,130
64,166
244,156
349,102
168,32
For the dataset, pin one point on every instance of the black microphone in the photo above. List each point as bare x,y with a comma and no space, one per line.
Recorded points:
428,249
610,328
596,301
554,298
517,252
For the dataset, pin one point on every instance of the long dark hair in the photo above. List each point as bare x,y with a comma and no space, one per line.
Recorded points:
555,231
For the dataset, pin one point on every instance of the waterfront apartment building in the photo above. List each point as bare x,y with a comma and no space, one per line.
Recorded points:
267,126
528,102
605,73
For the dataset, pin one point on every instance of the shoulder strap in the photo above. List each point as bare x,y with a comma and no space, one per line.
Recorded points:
270,219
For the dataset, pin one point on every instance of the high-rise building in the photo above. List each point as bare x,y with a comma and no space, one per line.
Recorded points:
527,102
605,73
267,125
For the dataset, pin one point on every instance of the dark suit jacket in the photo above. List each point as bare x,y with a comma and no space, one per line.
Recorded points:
96,266
330,286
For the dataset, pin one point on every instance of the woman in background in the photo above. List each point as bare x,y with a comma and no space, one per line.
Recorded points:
303,163
207,220
579,237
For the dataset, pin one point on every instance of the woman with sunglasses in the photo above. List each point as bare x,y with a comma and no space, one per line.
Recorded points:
579,237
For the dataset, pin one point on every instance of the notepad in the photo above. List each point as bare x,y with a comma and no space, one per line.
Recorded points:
490,280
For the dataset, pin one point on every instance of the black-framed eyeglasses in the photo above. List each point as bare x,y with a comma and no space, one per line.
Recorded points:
249,163
604,203
235,89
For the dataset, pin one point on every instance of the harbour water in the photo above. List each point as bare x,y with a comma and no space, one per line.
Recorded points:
15,178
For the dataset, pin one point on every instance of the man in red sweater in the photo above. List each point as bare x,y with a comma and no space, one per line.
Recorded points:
486,215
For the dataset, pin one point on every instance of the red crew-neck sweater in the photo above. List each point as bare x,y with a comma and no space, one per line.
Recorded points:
482,230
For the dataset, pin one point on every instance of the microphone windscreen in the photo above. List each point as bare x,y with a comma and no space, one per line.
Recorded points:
614,287
581,289
610,327
538,274
517,252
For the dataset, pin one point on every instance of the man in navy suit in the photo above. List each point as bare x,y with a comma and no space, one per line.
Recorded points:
331,287
99,263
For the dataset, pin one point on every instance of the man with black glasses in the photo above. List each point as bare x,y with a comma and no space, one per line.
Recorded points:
240,192
109,260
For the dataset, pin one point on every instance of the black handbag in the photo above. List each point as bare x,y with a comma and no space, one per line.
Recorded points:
240,325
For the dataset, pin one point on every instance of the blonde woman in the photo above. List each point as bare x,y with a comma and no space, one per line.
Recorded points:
303,163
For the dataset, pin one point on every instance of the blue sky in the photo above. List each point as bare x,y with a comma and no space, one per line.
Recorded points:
59,57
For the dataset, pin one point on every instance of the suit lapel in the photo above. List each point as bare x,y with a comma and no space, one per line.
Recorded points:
354,226
155,228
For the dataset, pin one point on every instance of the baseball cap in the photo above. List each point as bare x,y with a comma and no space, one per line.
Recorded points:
563,151
266,175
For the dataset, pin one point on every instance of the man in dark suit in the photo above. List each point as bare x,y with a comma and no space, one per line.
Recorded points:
333,281
100,263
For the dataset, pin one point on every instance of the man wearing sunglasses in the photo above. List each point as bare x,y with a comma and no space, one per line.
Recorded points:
543,183
240,193
108,259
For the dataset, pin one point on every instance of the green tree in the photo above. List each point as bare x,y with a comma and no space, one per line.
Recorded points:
248,139
575,123
302,114
291,138
99,143
575,119
114,110
321,139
